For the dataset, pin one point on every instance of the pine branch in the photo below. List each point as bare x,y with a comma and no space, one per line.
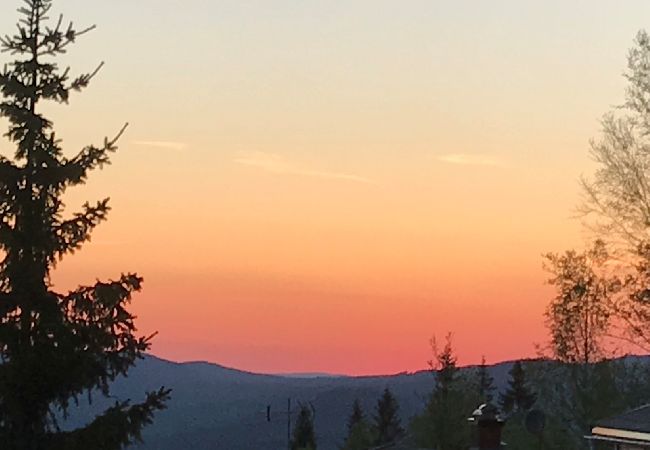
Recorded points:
82,81
74,232
118,427
98,323
76,170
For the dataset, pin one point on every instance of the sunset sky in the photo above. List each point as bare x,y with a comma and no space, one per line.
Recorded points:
321,186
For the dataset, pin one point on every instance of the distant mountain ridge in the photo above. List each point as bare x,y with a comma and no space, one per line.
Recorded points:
216,407
310,375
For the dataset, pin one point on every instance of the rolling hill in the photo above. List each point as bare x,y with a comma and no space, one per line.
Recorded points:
214,407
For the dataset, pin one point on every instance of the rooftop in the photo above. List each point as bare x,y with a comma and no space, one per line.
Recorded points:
635,420
631,427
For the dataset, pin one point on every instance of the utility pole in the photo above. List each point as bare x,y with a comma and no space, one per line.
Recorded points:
289,414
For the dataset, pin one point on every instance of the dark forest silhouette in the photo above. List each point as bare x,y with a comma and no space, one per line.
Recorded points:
56,347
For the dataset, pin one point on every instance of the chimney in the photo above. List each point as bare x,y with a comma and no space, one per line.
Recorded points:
489,425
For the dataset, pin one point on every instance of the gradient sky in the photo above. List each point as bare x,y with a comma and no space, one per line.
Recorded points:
324,185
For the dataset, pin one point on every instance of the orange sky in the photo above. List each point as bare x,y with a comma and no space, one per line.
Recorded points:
323,186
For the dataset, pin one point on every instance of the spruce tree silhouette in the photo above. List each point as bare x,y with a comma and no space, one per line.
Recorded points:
54,347
443,425
356,416
517,397
387,422
485,383
359,433
304,437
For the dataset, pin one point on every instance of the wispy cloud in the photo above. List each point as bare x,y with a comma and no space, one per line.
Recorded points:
165,145
472,160
270,162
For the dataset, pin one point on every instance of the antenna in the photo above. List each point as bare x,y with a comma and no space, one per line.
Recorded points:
289,423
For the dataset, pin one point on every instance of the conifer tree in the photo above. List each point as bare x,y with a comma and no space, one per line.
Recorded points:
304,436
359,435
55,346
447,370
356,416
443,425
485,383
518,396
387,424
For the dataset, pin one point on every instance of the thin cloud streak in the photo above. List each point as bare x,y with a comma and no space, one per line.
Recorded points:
273,163
166,145
472,160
